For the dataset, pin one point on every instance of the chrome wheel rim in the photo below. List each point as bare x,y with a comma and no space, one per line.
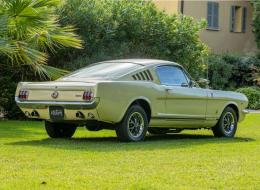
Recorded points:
228,123
135,124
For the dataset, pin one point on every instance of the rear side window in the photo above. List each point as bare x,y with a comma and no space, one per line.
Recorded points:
171,76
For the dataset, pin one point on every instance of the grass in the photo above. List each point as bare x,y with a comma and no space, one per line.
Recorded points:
96,160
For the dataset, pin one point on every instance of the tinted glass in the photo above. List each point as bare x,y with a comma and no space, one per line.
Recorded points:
170,75
102,70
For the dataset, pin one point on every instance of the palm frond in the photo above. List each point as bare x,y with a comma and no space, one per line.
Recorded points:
44,3
29,29
52,72
37,61
7,47
55,37
3,23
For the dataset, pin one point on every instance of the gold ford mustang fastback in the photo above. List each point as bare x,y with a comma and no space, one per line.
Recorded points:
132,97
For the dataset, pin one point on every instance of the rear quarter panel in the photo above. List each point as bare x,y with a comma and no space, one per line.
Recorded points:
116,97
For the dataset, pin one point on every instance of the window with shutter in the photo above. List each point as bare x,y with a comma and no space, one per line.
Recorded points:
209,16
232,19
244,19
238,17
213,15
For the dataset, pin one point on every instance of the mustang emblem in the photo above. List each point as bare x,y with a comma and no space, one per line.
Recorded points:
55,94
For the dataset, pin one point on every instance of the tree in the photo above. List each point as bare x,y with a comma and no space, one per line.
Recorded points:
29,31
130,29
256,20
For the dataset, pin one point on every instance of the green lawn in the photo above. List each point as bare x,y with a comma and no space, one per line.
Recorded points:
96,160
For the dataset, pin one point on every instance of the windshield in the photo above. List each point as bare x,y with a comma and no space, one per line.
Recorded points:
102,71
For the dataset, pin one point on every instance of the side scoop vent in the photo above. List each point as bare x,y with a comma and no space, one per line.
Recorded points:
143,76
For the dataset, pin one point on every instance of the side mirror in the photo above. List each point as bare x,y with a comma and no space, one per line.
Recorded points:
192,83
203,83
184,85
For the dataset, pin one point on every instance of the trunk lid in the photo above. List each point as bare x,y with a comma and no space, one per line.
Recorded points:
65,91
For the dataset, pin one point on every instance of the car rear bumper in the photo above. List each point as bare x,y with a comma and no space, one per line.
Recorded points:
87,110
66,104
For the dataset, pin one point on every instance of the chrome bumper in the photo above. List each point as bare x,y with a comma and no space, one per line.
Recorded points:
33,104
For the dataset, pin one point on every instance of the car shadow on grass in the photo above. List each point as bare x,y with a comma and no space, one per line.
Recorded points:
105,144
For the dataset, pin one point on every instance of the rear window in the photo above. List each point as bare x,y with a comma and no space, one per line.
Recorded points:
102,71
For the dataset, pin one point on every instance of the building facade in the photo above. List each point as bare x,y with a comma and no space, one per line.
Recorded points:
229,22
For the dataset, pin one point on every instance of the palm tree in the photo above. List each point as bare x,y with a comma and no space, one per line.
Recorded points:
29,30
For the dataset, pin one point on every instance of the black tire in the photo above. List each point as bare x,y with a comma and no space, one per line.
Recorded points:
224,128
60,130
158,131
127,133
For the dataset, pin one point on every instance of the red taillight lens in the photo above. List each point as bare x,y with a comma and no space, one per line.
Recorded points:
23,94
88,95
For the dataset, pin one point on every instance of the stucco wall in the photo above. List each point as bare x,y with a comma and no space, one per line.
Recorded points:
221,40
169,6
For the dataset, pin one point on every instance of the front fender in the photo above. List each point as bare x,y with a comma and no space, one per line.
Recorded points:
227,104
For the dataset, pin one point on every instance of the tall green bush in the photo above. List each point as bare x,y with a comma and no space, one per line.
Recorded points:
130,29
7,102
256,20
220,72
253,95
233,71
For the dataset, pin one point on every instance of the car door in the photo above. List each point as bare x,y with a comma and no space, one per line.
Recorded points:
183,102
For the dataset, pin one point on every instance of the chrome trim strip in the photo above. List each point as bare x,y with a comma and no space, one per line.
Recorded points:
34,104
178,118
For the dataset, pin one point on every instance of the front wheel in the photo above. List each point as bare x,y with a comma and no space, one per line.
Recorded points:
227,124
60,130
134,125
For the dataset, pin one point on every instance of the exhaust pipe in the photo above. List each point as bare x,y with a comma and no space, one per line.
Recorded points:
35,114
80,115
27,114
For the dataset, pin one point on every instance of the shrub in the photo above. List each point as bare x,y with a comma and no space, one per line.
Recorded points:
232,71
7,103
256,20
220,72
245,69
253,95
130,29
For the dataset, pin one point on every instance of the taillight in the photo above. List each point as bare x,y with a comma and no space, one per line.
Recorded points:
23,94
88,95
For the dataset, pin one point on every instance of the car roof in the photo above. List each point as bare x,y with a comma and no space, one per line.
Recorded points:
144,62
100,73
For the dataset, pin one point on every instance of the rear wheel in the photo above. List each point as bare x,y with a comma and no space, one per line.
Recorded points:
134,125
60,130
227,124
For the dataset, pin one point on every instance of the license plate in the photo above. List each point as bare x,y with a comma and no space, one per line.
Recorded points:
56,112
